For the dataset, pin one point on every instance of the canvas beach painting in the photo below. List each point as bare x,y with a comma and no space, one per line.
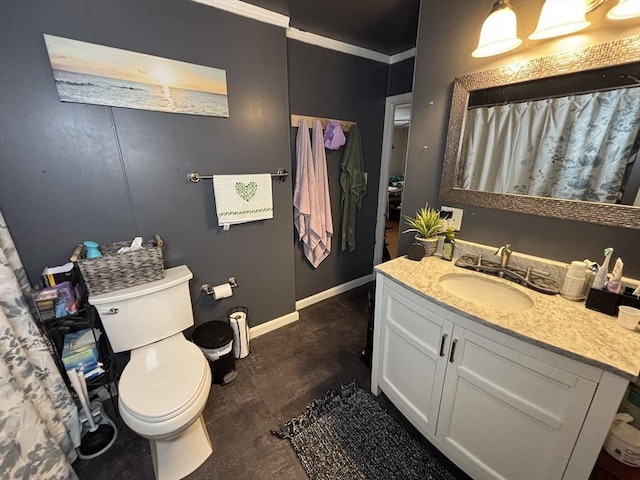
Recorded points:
96,74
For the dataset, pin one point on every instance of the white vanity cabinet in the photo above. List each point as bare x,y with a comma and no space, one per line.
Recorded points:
413,344
498,407
506,414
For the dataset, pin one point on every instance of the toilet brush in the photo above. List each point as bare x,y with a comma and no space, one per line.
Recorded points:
99,436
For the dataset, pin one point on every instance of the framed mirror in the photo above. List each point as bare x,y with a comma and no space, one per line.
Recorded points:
497,163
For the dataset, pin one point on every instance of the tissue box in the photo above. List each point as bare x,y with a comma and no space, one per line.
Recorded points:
79,351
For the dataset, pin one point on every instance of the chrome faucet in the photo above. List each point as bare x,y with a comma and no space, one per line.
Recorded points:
505,253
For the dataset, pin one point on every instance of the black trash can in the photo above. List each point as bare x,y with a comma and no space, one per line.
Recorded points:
215,339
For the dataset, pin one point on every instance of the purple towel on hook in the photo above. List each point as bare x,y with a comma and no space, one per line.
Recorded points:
334,136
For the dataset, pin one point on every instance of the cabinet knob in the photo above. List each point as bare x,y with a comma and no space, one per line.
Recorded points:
444,338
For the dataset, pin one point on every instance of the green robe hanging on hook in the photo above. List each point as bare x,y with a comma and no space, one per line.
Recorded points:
354,187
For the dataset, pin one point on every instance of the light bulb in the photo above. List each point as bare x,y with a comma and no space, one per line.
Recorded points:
560,17
498,34
625,9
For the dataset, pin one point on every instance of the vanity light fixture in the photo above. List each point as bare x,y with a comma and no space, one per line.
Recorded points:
561,17
625,9
498,34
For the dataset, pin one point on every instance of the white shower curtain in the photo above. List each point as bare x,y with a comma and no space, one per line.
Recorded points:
39,424
575,147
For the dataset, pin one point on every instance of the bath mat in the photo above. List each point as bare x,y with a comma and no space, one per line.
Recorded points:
346,435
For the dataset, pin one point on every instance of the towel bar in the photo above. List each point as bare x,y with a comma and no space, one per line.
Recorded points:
195,177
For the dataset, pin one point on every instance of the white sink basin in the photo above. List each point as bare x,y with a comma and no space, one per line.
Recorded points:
486,292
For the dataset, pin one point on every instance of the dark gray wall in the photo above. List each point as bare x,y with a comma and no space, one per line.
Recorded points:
448,33
400,77
71,172
325,83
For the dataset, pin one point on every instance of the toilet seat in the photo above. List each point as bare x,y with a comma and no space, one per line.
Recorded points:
163,380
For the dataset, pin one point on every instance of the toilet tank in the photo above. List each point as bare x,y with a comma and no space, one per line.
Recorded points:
140,315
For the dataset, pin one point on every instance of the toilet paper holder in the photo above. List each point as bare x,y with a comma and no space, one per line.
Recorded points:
208,289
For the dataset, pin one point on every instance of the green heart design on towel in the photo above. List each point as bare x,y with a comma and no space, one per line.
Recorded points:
246,190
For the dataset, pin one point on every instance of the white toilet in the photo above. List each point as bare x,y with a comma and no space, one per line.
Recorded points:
165,386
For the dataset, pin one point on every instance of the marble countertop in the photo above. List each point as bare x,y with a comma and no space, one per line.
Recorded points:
553,323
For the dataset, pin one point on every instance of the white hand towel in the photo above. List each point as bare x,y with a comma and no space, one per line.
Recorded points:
243,198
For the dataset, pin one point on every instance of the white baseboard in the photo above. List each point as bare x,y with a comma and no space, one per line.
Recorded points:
279,322
274,324
332,292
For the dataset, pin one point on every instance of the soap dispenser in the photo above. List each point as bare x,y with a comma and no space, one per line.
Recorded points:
448,244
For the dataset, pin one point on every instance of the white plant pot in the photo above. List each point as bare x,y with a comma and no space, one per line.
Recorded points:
429,244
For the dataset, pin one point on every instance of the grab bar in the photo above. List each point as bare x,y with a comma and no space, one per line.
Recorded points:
195,177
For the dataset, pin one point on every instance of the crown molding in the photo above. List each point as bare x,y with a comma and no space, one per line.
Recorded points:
398,57
249,11
320,41
267,16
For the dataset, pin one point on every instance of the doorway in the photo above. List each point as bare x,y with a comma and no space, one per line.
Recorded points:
392,169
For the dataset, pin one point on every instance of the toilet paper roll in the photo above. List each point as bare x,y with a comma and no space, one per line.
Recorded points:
222,291
238,321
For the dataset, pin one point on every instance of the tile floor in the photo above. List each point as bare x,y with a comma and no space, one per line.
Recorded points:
286,370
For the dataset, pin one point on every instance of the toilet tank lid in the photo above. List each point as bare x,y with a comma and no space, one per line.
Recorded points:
172,276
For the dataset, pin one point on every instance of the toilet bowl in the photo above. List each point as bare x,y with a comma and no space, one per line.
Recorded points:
162,393
165,386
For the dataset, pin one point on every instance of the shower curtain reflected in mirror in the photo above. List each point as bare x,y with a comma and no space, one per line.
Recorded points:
578,147
38,418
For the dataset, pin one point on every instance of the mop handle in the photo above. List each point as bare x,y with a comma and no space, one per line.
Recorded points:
83,395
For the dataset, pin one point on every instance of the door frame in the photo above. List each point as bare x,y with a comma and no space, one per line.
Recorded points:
387,143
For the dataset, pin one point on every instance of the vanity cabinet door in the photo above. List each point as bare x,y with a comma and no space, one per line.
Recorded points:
505,415
412,356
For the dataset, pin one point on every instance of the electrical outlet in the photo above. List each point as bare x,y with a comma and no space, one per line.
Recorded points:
455,219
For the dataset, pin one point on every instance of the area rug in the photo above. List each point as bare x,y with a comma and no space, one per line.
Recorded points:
346,435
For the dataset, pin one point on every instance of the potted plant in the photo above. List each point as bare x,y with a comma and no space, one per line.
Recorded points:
427,224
